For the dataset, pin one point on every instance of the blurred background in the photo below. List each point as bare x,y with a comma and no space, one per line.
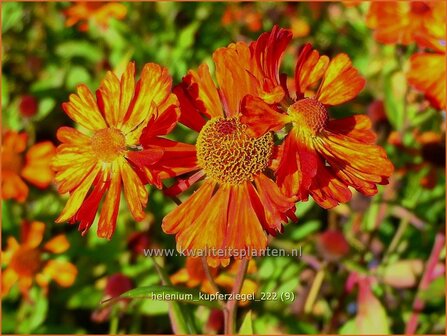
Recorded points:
374,265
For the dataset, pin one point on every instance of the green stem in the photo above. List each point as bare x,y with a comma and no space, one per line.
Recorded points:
231,307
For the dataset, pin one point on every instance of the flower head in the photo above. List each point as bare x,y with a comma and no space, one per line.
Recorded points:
28,261
98,165
320,156
17,166
237,200
99,12
401,21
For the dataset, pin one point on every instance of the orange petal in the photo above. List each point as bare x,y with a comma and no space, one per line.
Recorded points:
14,141
427,74
273,202
11,247
298,165
260,117
243,229
9,278
269,49
357,127
110,207
309,69
192,111
83,109
57,244
358,164
134,191
71,170
37,168
63,272
73,136
186,213
109,95
78,196
341,82
13,187
204,92
152,90
327,190
32,233
234,67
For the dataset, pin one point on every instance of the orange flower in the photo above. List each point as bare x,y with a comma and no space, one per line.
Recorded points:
427,71
193,275
237,200
99,12
110,157
246,15
400,21
34,167
25,262
320,156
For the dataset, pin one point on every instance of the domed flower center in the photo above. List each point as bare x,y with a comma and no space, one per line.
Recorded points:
26,261
309,113
108,144
228,154
11,161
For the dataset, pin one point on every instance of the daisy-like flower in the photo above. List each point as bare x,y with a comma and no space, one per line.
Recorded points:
401,21
18,166
320,156
427,69
193,275
100,12
30,260
109,158
237,200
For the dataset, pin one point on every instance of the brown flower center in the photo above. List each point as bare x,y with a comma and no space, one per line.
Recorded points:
108,144
309,114
26,261
228,154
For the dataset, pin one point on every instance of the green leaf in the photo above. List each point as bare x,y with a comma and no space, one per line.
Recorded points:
82,49
168,293
12,13
247,325
5,91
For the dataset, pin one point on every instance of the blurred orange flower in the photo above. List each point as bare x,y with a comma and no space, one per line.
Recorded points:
400,21
427,70
237,200
246,15
430,155
26,262
33,167
99,12
193,275
320,156
111,157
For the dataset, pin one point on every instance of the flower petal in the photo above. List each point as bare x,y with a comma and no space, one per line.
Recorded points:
273,202
110,207
32,233
134,191
63,272
13,187
37,168
310,68
78,195
83,109
9,278
152,90
341,82
427,74
260,117
57,244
